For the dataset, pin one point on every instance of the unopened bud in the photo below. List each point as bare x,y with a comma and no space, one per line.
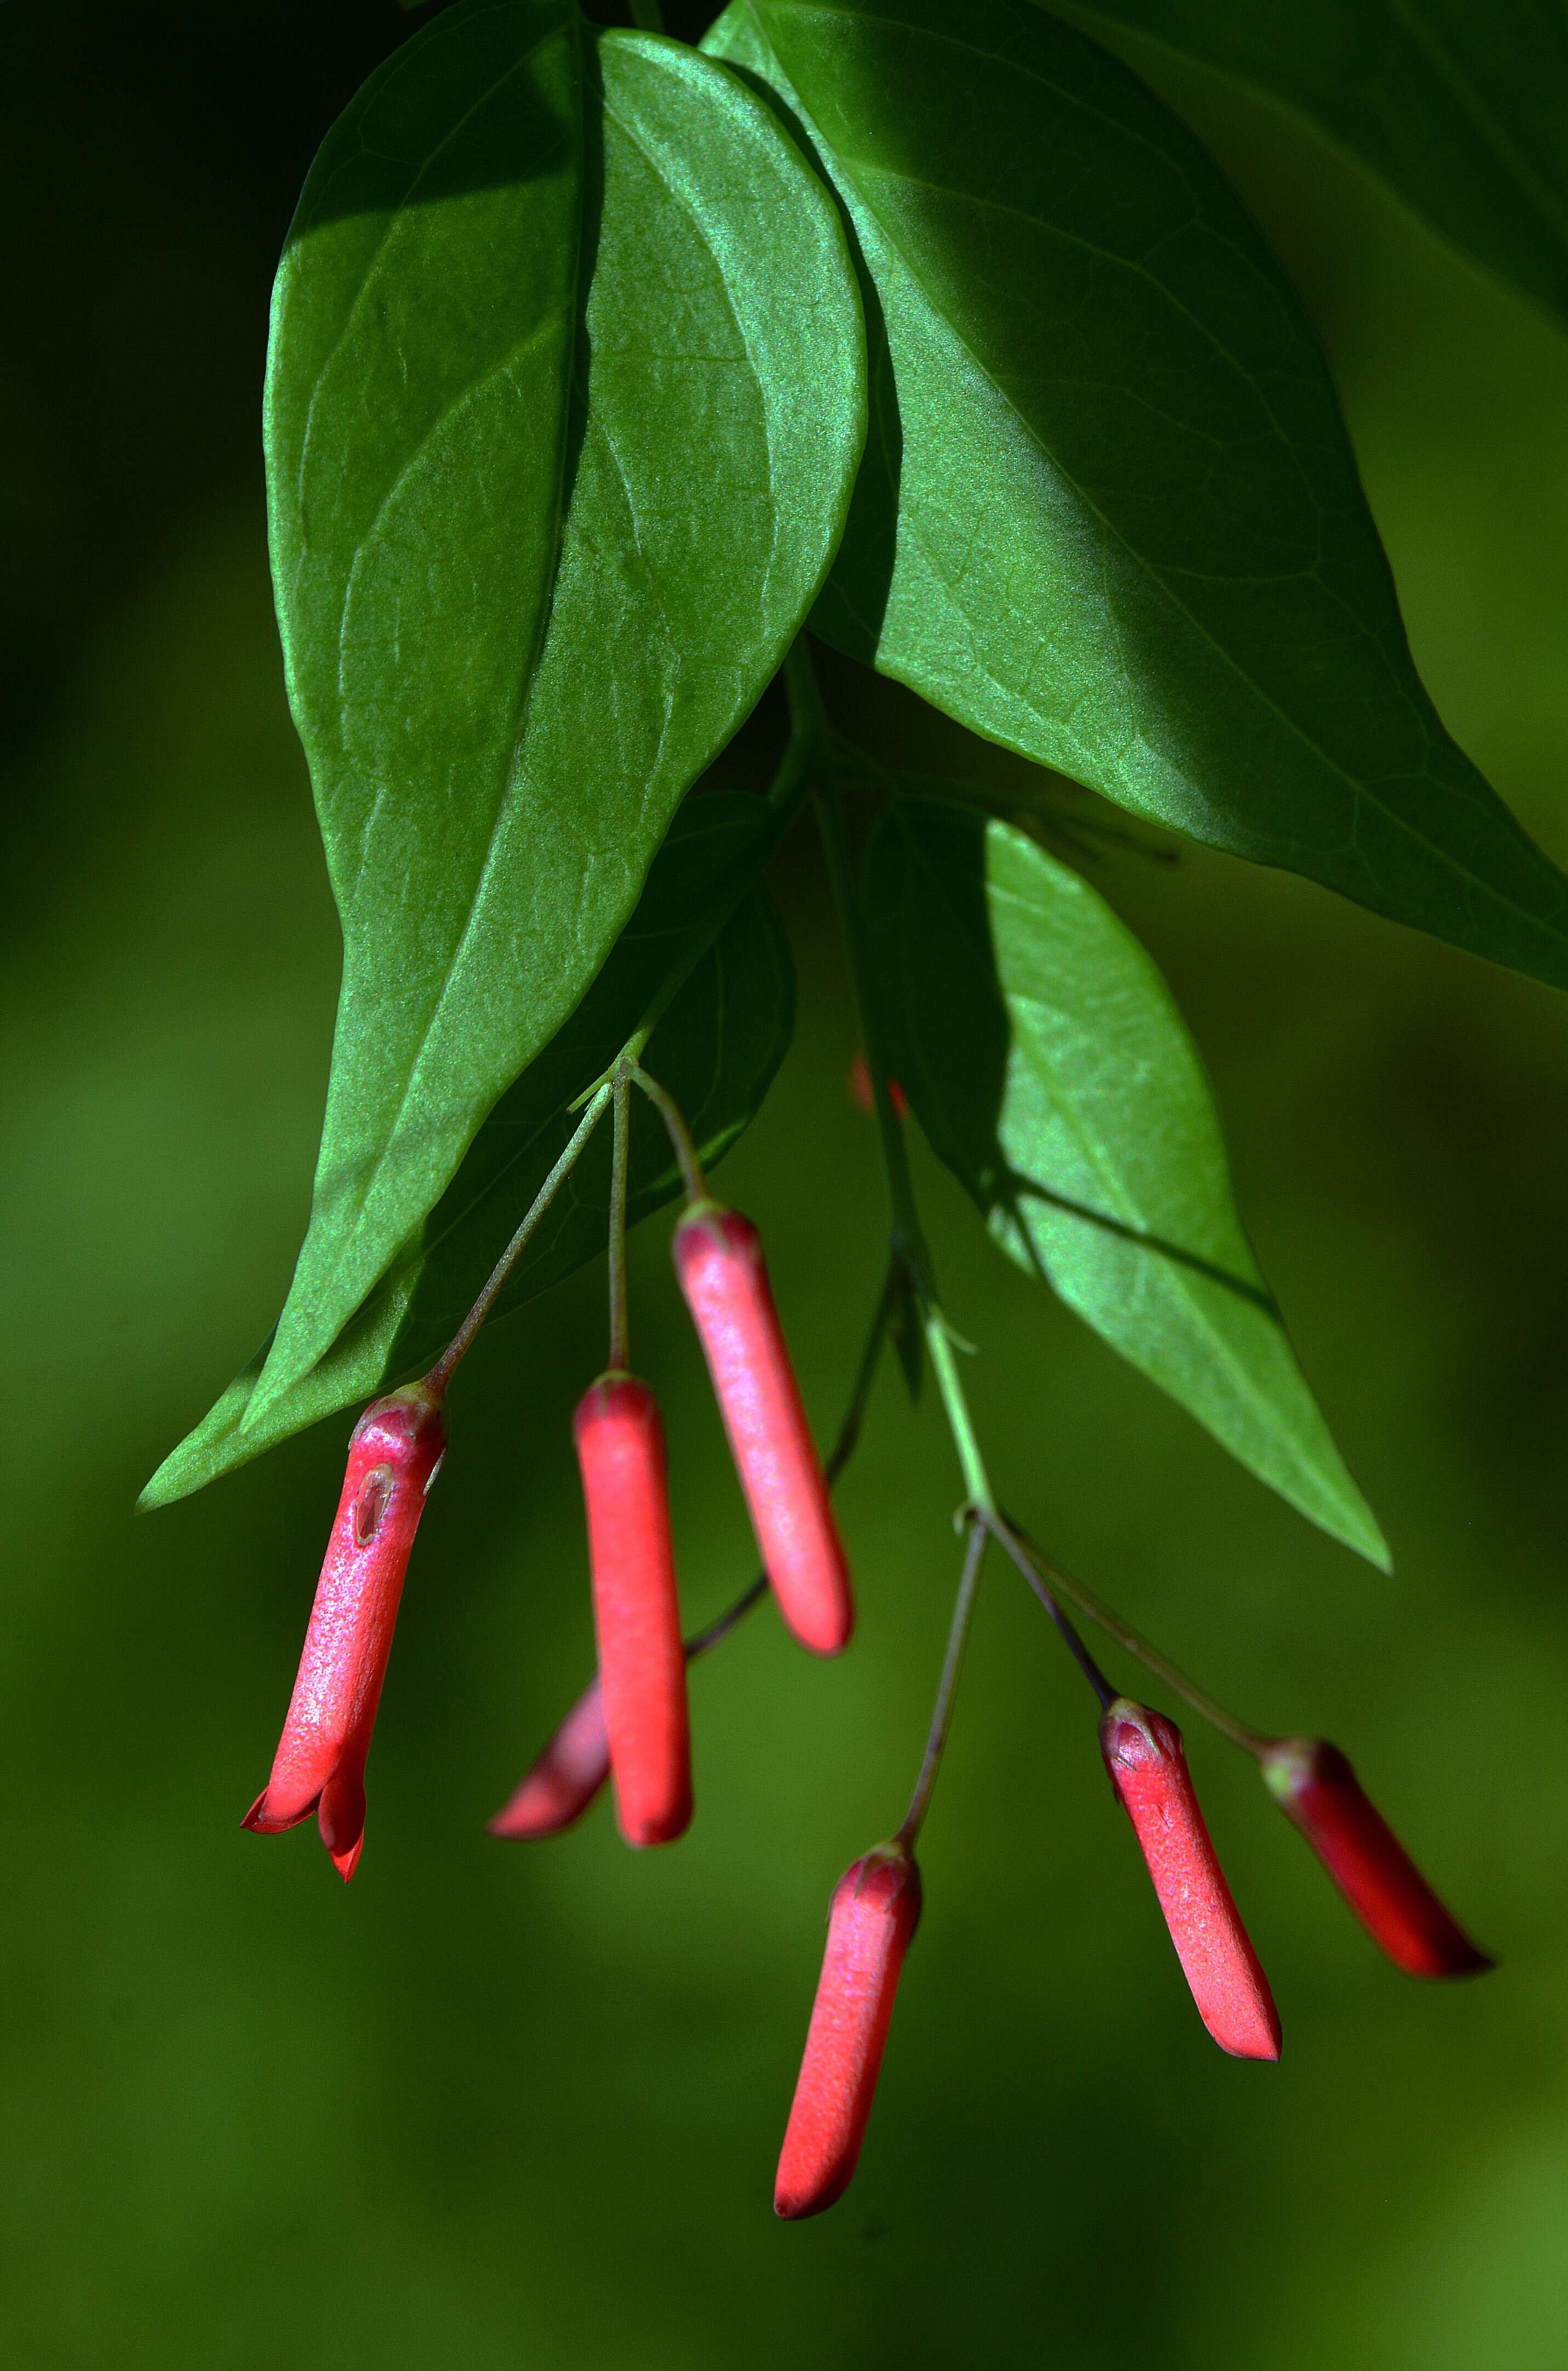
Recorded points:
1149,1769
1315,1785
566,1777
637,1615
875,1910
397,1447
719,1262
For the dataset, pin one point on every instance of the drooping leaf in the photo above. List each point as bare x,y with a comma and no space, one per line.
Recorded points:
716,1049
1459,108
560,436
1048,1066
1109,515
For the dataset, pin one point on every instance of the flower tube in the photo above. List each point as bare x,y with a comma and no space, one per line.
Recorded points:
719,1260
394,1455
1149,1769
1315,1786
874,1913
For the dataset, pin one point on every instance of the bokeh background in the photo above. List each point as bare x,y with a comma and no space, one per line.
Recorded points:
502,2108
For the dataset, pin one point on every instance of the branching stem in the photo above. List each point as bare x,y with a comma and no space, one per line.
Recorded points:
1039,1569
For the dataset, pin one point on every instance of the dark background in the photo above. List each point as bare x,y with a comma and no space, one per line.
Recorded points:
518,2106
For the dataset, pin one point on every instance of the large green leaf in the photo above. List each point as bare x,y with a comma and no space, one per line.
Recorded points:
560,438
1460,107
1110,516
1050,1070
716,1049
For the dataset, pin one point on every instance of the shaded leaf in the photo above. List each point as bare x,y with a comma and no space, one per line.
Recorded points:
1459,109
1109,515
559,436
1048,1066
716,1049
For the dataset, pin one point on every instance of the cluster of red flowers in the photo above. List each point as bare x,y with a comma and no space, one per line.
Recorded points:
631,1725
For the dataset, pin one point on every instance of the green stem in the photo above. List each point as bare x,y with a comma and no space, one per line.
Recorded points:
647,15
440,1374
620,1342
1037,1565
670,1112
941,1711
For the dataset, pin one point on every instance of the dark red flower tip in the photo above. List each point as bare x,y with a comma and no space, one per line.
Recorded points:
1149,1769
637,1614
862,1093
394,1455
567,1776
874,1913
719,1260
1315,1785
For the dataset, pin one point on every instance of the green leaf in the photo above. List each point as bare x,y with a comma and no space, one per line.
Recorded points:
716,1049
1048,1066
1109,515
1459,108
560,431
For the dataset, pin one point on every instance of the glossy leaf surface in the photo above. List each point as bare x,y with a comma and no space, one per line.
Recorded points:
560,436
1048,1066
716,1049
1459,109
1109,515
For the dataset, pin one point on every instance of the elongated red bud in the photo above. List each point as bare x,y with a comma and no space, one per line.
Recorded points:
1315,1785
566,1777
637,1614
875,1910
719,1261
397,1447
1149,1769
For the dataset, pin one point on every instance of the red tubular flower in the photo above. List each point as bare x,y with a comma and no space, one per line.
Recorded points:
876,1908
719,1261
1149,1769
397,1447
620,1448
1315,1785
565,1778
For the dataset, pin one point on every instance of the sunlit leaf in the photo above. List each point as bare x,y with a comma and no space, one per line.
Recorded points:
1049,1068
559,438
716,1049
1109,515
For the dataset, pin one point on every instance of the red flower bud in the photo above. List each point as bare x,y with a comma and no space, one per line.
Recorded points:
862,1093
719,1261
1315,1785
620,1448
1149,1769
565,1778
394,1455
876,1908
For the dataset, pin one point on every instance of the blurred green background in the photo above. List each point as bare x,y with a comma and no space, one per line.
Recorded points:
518,2106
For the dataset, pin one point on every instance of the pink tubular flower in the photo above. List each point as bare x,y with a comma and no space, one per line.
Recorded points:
620,1448
719,1261
397,1447
565,1778
1149,1769
1315,1785
876,1908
